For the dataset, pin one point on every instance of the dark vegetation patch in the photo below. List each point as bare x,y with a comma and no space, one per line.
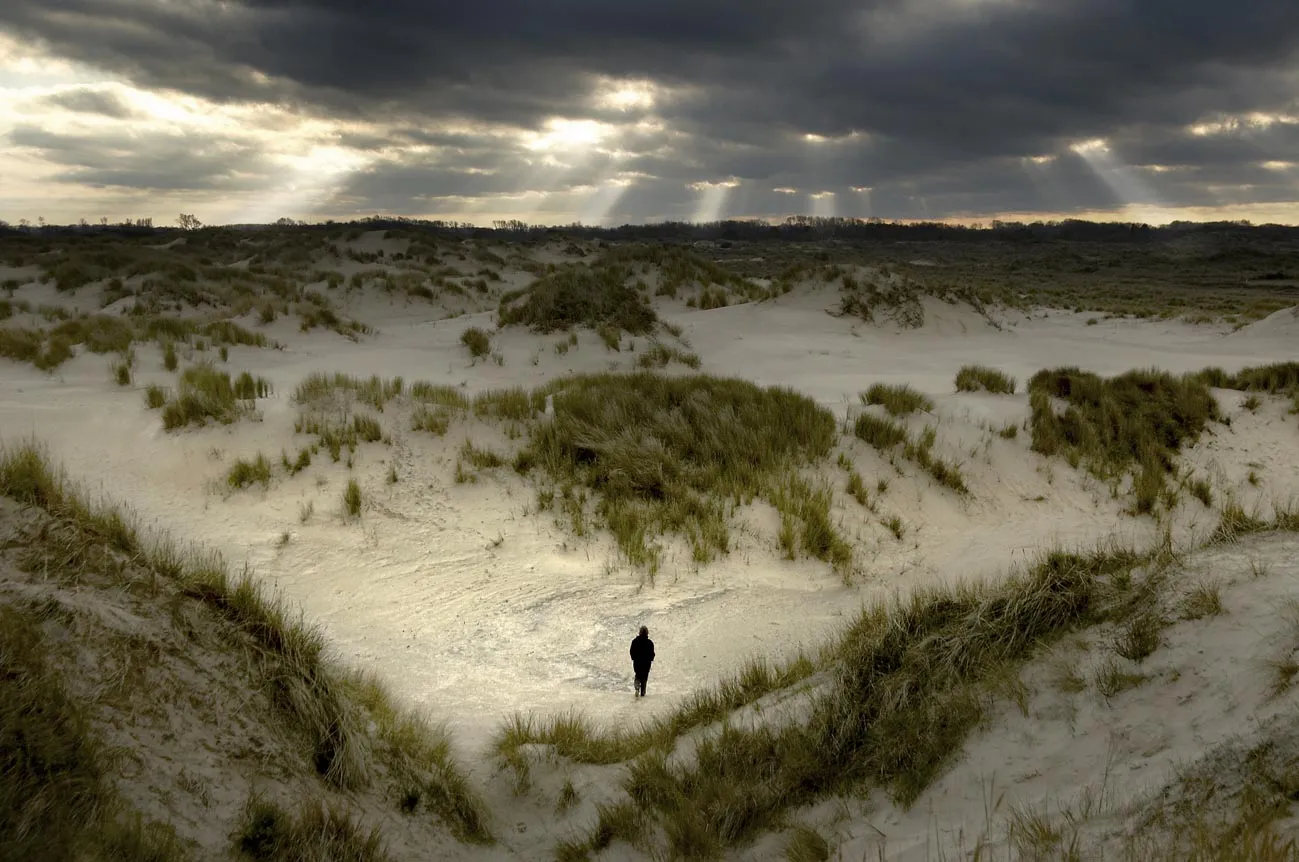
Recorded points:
1135,423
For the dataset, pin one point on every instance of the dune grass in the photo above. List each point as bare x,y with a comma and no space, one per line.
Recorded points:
205,394
439,395
1134,423
976,378
45,352
575,295
910,681
879,433
886,435
244,473
577,738
155,397
658,355
898,400
57,799
327,410
374,391
675,456
332,707
352,498
317,831
1278,378
477,340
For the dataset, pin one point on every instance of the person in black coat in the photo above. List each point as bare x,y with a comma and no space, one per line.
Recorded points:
642,656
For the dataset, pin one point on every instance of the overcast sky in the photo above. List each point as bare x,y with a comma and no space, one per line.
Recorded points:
613,111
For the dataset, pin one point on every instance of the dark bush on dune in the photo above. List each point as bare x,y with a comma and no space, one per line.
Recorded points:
580,296
1138,420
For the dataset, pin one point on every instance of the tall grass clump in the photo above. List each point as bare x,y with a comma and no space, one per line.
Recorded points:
975,378
352,498
374,390
658,355
271,834
439,395
674,455
1135,423
46,352
122,372
155,397
881,434
244,473
478,340
204,395
898,400
580,295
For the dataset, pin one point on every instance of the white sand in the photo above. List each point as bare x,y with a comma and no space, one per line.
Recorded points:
473,609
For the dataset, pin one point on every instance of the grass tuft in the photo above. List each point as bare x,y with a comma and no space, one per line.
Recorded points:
352,498
155,397
975,378
897,400
806,845
206,394
244,473
478,340
316,832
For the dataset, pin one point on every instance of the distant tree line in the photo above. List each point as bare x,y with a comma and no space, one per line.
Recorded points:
793,229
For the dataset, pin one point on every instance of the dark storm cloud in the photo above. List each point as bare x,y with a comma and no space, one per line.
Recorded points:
87,101
949,96
148,161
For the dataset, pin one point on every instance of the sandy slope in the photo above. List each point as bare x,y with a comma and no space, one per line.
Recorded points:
475,609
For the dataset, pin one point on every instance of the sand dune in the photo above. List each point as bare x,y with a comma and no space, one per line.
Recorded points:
472,605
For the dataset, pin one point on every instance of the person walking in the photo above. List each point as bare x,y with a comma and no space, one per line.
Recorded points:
642,656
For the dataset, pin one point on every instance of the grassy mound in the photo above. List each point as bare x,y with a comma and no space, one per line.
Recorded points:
346,735
1136,421
676,456
975,378
580,295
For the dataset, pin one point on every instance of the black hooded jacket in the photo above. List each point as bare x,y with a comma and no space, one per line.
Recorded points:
642,652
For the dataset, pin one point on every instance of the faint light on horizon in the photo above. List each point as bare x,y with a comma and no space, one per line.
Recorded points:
1278,166
785,190
1042,160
